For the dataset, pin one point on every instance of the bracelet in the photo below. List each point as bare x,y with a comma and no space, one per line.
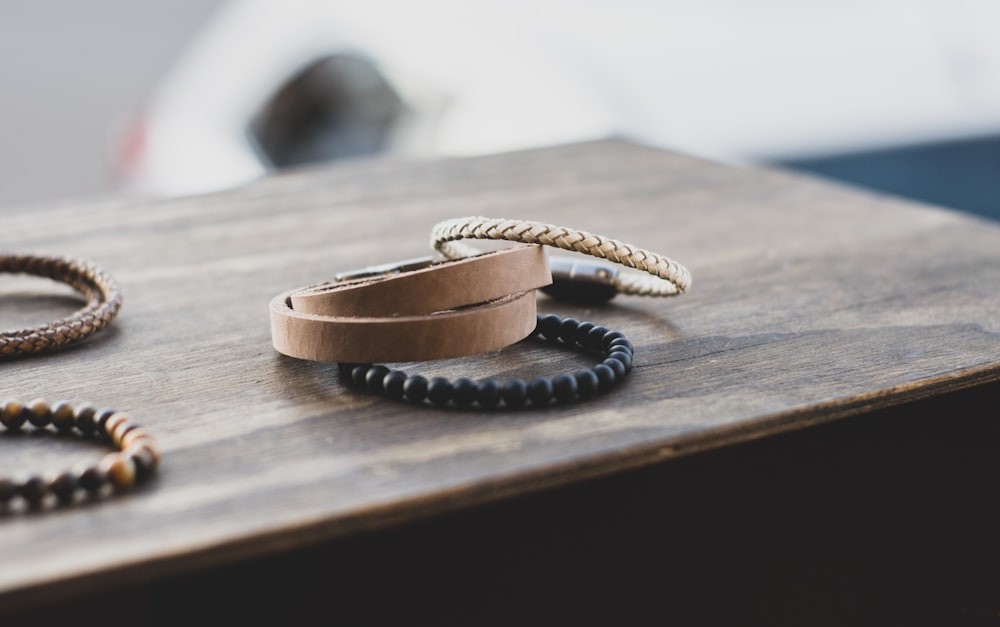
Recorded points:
104,299
573,281
134,462
414,311
489,393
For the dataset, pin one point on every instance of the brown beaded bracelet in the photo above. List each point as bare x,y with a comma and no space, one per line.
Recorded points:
133,463
104,299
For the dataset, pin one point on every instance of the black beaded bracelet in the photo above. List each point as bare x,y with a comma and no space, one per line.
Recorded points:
134,462
489,393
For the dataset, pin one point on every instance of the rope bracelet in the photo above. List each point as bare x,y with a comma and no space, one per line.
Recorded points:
489,393
135,461
104,299
658,276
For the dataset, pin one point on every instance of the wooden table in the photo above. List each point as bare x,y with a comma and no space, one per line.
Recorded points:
824,387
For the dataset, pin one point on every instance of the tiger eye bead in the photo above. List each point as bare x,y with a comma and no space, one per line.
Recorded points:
101,418
108,423
120,470
33,490
143,459
62,416
92,479
12,415
39,413
85,419
7,490
64,487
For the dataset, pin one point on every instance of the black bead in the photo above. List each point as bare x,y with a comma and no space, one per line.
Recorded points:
488,393
358,374
540,391
568,330
91,479
415,388
609,337
605,377
515,393
64,487
595,337
617,366
564,387
587,384
33,490
439,391
534,332
581,333
463,392
622,342
622,356
548,326
374,378
392,384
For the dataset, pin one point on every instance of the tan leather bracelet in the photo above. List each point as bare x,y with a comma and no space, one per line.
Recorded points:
436,311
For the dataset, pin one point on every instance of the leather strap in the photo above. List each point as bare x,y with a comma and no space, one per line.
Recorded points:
447,309
437,287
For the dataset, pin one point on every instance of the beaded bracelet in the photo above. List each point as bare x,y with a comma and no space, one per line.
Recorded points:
134,462
104,299
489,393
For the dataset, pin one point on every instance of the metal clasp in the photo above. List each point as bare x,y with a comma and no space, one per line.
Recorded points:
581,280
394,267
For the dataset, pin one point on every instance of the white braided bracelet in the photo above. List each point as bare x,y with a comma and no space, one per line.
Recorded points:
663,276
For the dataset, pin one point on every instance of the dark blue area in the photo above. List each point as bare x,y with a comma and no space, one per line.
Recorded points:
962,175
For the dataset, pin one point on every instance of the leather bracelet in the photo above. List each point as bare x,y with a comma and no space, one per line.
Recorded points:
135,461
104,299
427,310
487,394
572,280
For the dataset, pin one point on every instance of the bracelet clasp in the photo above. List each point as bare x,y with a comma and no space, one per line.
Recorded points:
393,267
581,280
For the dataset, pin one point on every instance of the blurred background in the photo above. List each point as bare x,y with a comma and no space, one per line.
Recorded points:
184,97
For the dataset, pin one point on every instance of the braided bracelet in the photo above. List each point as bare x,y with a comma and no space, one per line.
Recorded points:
572,280
104,299
489,393
134,462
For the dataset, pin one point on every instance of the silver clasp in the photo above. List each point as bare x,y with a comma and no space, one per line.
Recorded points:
394,267
581,280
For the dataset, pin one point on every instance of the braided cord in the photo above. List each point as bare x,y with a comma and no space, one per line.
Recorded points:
663,276
103,295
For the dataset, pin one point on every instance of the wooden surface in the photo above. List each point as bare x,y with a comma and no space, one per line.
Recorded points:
811,302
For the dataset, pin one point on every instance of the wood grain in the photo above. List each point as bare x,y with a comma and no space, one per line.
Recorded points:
810,302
